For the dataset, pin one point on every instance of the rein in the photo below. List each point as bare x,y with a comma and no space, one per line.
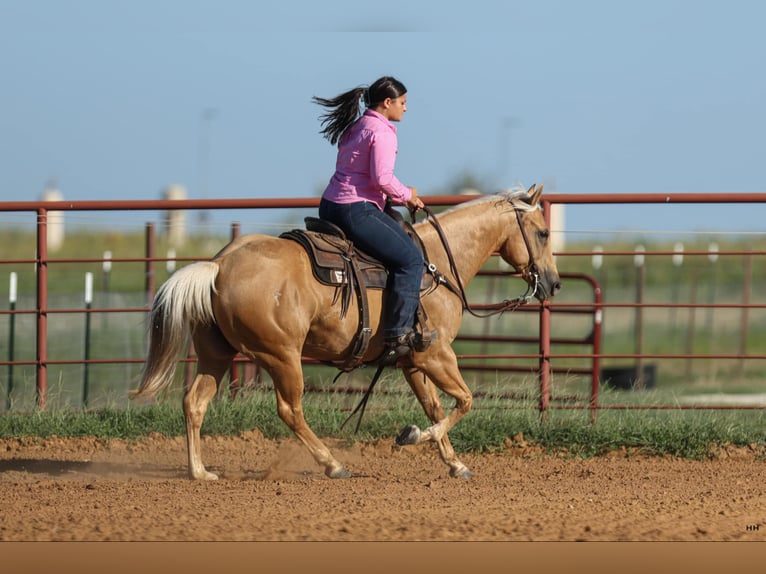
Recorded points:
529,272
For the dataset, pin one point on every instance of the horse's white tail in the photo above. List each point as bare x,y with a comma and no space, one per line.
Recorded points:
183,301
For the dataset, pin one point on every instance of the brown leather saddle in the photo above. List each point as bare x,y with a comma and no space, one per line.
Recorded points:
331,254
336,262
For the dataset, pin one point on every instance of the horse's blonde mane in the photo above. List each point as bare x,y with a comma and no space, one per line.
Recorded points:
517,197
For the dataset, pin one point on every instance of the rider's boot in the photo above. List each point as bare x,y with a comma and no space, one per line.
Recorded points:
395,347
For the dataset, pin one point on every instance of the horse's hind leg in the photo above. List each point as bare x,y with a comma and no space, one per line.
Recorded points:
215,357
288,384
427,395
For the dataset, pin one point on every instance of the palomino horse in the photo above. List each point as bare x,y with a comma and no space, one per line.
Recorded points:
258,297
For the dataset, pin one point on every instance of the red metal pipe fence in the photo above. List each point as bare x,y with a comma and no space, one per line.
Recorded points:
547,359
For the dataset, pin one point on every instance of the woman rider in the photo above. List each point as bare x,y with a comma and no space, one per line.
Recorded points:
356,196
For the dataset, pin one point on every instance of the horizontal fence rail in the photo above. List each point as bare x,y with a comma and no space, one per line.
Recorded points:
546,355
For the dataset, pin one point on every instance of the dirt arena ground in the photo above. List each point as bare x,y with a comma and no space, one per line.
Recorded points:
113,490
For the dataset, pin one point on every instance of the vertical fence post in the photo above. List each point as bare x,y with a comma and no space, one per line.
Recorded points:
595,339
11,336
106,267
86,365
597,257
149,267
690,326
747,284
712,257
544,372
150,251
170,264
638,261
678,260
597,261
42,308
545,357
234,370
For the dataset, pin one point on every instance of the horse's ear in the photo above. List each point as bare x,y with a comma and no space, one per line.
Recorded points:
534,193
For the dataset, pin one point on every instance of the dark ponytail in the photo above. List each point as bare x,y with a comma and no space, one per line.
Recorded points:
345,108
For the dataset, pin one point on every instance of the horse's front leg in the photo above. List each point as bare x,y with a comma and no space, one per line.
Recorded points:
427,395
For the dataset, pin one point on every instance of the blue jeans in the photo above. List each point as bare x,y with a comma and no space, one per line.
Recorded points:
377,234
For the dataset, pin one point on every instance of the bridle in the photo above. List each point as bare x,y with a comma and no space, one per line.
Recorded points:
530,273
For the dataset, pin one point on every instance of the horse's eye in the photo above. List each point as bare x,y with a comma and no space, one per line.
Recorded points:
543,234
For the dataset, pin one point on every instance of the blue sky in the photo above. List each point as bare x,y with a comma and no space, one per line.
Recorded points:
116,100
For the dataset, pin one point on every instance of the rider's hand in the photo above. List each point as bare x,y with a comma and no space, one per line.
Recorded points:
415,202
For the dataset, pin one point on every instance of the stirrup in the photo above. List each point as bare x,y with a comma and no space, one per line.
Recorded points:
395,348
421,341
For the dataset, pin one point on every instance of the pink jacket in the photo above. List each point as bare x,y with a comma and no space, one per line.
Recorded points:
364,170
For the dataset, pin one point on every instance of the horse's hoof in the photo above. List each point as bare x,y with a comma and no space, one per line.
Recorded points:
461,472
205,475
338,473
408,435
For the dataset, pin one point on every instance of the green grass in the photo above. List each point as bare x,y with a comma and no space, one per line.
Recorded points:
687,434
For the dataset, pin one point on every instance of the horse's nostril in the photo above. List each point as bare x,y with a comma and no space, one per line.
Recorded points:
556,286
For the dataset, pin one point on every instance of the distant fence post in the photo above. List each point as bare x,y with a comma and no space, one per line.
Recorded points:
150,250
106,267
678,260
86,366
690,325
597,258
639,263
747,285
170,264
712,257
11,336
544,371
42,308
